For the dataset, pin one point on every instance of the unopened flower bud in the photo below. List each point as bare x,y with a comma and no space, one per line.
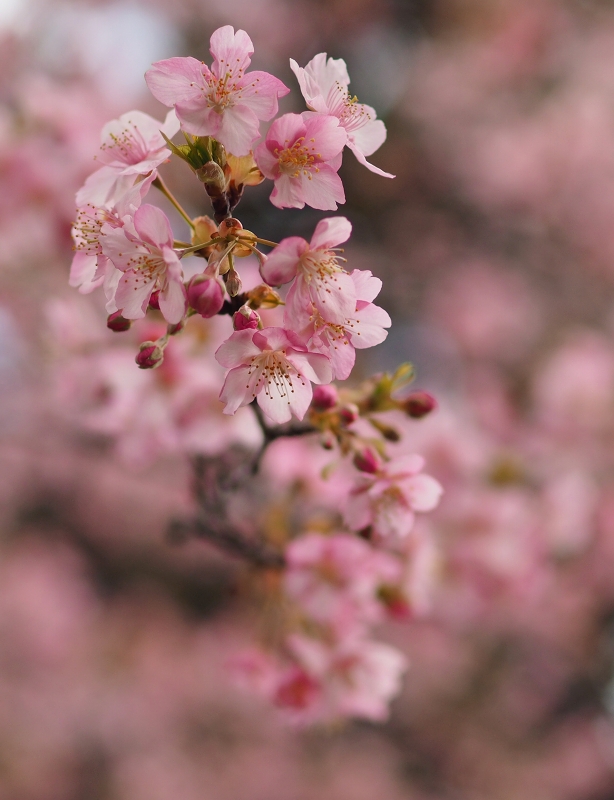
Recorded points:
117,323
154,300
205,295
367,460
328,440
324,397
245,319
230,225
211,174
233,283
262,296
242,170
419,404
349,413
150,355
387,431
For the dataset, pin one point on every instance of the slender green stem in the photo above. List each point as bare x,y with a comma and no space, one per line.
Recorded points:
193,248
159,184
257,239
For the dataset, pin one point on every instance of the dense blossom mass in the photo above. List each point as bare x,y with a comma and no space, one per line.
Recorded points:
276,345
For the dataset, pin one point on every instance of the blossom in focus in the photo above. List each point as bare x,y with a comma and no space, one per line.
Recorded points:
324,85
387,500
274,366
148,261
335,578
364,327
132,146
302,154
318,277
224,101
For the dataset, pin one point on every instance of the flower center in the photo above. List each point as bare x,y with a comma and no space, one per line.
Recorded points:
298,158
129,146
352,114
274,374
87,227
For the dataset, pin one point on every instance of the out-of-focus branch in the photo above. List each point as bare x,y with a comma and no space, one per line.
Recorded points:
290,429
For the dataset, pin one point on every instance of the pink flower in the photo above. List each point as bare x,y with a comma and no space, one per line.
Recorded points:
224,101
274,366
302,154
364,327
132,146
388,500
318,277
335,579
90,267
146,257
355,678
324,86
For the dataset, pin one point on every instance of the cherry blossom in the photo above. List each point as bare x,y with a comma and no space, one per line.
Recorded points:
387,501
319,279
364,327
132,146
302,154
148,261
274,366
324,86
224,101
335,578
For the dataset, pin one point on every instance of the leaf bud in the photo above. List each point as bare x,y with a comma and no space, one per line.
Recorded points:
117,323
211,174
263,296
233,282
150,355
419,404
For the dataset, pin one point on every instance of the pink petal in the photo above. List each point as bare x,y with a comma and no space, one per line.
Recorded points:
238,130
232,51
173,301
153,226
104,187
300,398
314,366
197,119
360,157
369,326
285,131
330,137
342,358
423,492
280,266
323,191
236,391
367,286
267,163
83,271
287,193
175,80
238,349
370,136
330,232
334,298
277,407
260,92
133,293
274,339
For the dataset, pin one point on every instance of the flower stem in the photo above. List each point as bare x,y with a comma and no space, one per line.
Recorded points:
159,184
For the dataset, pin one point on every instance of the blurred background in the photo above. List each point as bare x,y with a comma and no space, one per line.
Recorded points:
496,247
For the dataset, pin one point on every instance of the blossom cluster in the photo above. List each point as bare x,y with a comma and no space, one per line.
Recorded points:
298,325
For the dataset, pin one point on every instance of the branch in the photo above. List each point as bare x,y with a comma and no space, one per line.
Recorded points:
289,429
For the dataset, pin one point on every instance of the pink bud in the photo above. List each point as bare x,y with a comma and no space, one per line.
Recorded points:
328,440
117,323
367,460
419,404
244,321
349,413
150,356
205,295
324,397
178,326
154,300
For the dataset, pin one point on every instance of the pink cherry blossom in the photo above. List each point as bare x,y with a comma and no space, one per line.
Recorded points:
302,154
148,261
335,579
364,327
274,366
90,267
224,101
355,677
132,146
324,86
319,279
388,500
